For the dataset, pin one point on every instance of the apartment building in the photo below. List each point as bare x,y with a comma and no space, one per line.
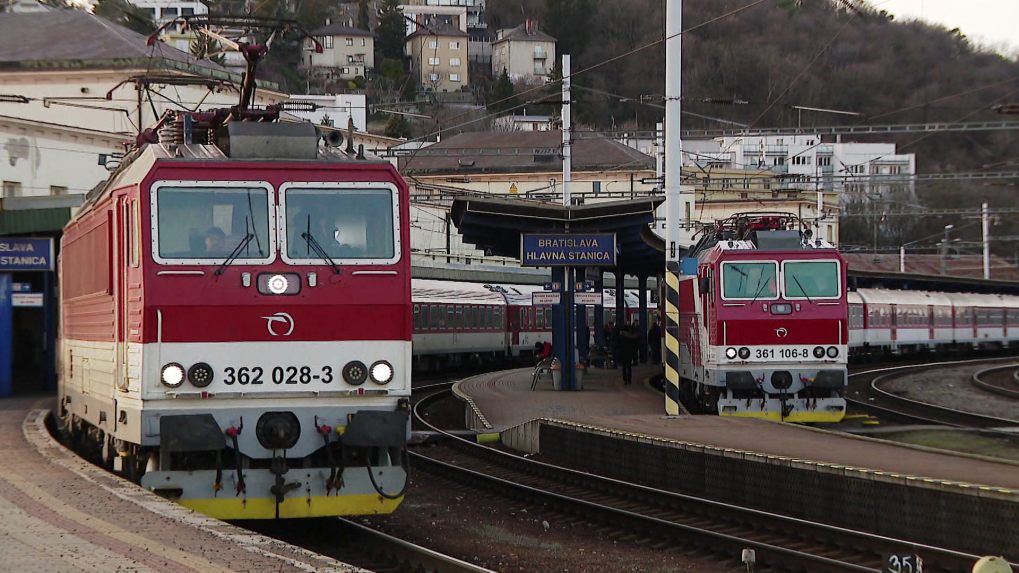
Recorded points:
526,53
438,54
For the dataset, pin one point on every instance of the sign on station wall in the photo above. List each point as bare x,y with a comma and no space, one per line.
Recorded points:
576,250
26,254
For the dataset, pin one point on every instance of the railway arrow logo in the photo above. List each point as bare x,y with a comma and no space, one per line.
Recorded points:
779,332
280,317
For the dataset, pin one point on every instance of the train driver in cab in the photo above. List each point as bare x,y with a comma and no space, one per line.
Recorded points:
215,243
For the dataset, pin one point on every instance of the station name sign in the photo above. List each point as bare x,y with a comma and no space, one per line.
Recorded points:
25,254
580,250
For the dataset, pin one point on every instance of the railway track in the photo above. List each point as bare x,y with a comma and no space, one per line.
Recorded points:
668,520
865,395
1001,380
360,546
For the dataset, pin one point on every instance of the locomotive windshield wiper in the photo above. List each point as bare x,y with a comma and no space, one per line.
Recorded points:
313,243
235,253
803,290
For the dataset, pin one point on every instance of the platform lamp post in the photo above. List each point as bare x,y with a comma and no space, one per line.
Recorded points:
673,164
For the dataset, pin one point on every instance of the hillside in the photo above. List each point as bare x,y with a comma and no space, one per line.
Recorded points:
892,72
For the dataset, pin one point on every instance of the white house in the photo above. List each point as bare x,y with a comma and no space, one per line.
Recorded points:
525,52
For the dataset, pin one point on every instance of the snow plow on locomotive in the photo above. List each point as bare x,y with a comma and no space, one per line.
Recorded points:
236,319
763,326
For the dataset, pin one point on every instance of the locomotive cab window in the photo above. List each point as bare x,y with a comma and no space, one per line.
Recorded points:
352,225
750,280
811,279
198,222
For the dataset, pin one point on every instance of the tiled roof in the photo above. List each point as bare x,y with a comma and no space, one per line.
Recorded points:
340,30
75,35
504,151
442,29
520,33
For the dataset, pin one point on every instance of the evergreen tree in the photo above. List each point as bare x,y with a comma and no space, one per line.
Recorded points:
391,31
125,14
398,126
503,97
363,15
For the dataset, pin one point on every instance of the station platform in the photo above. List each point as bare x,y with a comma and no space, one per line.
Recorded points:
501,401
59,513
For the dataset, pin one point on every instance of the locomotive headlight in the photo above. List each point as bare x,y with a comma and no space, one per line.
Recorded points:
278,284
200,374
744,353
832,352
381,372
172,375
818,352
730,353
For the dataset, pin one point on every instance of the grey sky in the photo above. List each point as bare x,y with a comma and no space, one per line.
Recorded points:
989,22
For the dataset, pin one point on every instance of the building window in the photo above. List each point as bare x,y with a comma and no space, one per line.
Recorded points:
824,161
362,42
454,45
12,189
433,77
454,77
539,70
433,61
350,41
433,44
58,190
596,186
454,61
344,71
187,11
327,42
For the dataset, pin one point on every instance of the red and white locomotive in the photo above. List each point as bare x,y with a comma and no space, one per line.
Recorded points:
236,320
763,326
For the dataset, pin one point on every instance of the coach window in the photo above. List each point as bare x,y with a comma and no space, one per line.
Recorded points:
424,317
354,224
417,317
442,316
459,317
811,279
548,318
750,280
541,320
450,317
490,317
196,222
434,317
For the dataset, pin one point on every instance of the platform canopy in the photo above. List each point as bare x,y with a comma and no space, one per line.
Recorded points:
496,225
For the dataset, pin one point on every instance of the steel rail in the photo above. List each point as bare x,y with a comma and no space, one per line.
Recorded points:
780,541
977,381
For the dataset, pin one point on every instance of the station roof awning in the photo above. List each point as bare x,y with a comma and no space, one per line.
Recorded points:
496,225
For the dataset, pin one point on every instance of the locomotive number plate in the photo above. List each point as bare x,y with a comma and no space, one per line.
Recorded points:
784,352
280,375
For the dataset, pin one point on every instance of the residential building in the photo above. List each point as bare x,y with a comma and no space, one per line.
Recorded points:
438,56
526,53
475,9
347,52
801,166
417,16
522,123
78,101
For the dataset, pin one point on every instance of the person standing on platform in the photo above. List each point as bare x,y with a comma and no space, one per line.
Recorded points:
654,341
626,351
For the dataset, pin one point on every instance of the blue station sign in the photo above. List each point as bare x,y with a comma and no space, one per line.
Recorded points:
577,250
24,254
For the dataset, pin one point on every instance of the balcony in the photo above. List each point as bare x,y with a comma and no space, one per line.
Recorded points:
825,149
752,150
776,149
540,54
784,168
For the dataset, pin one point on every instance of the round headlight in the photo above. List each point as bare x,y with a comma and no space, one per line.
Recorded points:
744,353
818,352
381,372
200,374
355,372
832,352
277,284
730,353
172,375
